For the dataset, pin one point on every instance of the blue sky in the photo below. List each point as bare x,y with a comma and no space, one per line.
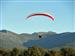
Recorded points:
13,16
37,0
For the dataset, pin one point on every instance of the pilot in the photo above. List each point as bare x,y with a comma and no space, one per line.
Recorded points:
40,36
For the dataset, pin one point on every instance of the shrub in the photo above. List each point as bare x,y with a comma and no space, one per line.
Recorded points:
68,51
15,52
36,51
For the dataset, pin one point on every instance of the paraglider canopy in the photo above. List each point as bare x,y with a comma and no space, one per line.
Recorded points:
41,14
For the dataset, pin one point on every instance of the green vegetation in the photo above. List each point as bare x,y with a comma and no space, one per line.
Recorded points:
36,51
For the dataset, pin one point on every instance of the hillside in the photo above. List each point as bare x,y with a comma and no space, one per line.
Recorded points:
9,39
52,41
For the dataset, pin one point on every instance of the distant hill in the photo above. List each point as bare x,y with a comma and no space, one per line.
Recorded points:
10,39
52,41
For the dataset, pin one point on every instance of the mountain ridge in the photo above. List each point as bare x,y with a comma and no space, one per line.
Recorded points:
9,39
53,41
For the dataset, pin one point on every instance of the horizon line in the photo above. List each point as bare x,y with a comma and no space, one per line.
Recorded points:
35,31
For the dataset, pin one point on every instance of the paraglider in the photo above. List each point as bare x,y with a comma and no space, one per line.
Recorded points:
41,14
